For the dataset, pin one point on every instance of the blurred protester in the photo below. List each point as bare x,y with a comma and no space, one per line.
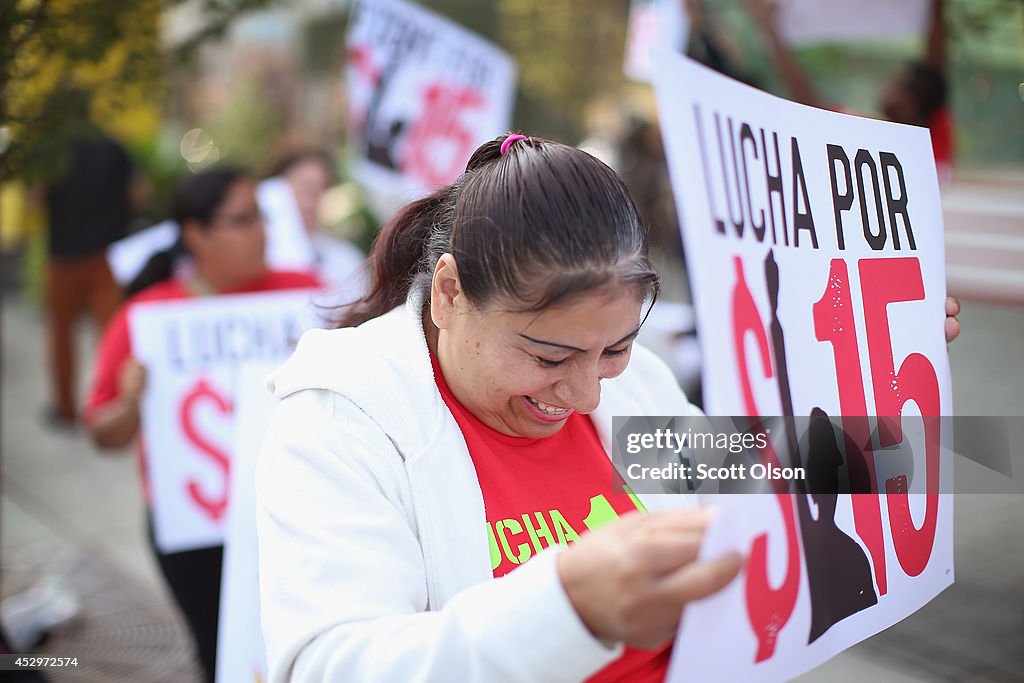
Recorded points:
917,95
309,174
710,47
220,250
89,207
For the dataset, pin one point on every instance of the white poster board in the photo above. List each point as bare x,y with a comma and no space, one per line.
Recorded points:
814,21
192,350
288,244
815,248
128,255
653,24
241,654
423,93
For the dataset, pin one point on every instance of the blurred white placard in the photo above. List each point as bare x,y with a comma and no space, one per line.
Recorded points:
240,651
288,243
129,255
817,266
828,21
193,350
423,94
653,24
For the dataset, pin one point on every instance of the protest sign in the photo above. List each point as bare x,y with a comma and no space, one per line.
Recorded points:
816,259
192,350
240,650
653,24
813,21
423,93
128,255
288,243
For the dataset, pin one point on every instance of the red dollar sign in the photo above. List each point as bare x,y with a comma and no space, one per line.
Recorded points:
216,507
768,608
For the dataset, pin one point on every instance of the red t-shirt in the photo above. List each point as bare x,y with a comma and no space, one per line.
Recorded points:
942,132
538,492
116,348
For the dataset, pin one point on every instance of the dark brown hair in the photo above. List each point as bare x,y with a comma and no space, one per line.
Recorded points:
529,229
927,86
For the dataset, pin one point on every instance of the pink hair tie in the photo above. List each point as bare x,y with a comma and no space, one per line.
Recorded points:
509,140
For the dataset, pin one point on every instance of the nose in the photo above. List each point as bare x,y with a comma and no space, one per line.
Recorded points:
580,391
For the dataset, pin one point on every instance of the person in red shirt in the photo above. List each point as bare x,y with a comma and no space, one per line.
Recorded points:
219,251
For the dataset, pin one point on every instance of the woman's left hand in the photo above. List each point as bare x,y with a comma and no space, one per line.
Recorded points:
952,324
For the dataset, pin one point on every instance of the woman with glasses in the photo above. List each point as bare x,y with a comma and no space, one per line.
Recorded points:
220,250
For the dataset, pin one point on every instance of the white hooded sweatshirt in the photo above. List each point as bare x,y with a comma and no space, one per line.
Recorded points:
374,561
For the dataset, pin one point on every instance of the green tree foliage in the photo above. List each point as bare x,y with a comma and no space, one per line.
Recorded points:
51,51
569,52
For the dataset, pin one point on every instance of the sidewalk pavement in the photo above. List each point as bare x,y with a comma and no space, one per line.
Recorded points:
70,510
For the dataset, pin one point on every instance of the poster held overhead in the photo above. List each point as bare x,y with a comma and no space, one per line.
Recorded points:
423,93
653,24
816,257
812,21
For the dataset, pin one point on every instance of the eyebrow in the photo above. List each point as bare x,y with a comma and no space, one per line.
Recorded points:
628,337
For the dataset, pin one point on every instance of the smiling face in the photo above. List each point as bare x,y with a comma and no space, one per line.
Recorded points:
524,374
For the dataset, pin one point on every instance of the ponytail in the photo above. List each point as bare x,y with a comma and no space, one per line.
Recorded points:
158,268
410,244
399,253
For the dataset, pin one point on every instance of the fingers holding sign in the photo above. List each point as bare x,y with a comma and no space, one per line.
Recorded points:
629,581
132,381
116,423
952,327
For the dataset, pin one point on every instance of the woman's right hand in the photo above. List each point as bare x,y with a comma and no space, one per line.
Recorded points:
131,382
116,423
629,580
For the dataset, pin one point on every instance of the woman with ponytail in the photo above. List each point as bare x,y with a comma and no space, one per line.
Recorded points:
435,490
435,493
219,251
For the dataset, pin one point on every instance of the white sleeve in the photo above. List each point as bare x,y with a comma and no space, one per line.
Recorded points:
342,581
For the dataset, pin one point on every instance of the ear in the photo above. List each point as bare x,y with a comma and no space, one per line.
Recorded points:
446,297
193,236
